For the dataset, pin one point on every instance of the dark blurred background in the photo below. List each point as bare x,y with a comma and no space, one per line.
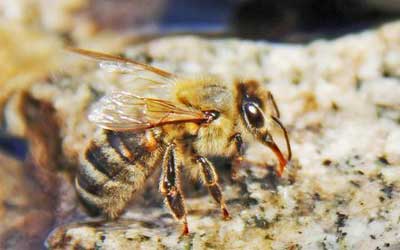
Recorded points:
297,21
283,20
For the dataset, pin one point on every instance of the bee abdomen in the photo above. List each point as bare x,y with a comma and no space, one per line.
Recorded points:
111,172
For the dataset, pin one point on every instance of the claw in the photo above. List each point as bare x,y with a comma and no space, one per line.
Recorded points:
225,214
185,229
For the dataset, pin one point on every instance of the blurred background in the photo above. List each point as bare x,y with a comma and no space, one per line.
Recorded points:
284,20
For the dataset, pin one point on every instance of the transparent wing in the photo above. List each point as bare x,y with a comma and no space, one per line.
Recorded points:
148,76
123,111
116,63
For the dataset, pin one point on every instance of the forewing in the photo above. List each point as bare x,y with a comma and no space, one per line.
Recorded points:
116,63
145,77
123,111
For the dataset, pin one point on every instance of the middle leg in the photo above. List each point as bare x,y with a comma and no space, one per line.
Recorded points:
210,179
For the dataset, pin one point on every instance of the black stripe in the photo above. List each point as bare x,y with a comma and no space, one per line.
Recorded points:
115,141
133,142
91,208
94,155
86,183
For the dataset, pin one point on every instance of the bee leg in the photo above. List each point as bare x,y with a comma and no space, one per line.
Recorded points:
237,163
170,187
238,158
210,178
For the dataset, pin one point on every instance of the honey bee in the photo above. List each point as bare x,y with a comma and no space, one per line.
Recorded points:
176,123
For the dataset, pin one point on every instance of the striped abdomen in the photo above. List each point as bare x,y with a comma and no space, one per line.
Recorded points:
113,167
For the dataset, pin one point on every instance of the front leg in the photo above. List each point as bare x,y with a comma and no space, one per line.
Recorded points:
170,187
238,157
238,160
210,179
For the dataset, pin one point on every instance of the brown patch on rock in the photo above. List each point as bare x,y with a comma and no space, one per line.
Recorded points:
25,210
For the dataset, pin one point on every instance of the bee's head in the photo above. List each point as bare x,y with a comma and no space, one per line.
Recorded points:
260,117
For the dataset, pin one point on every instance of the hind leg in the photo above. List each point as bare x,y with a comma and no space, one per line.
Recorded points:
170,187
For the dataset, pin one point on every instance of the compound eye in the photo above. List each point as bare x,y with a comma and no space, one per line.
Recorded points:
253,115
